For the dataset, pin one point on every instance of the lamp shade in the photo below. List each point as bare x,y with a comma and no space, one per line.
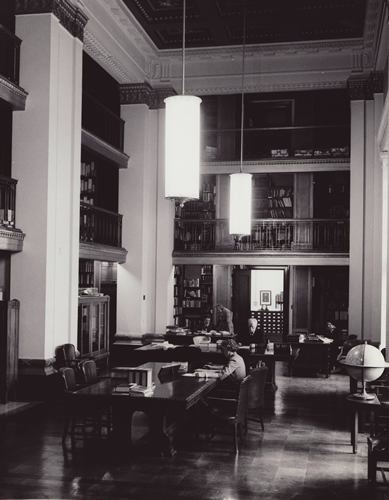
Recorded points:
240,204
182,148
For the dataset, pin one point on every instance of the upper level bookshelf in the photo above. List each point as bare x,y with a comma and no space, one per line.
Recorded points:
331,195
314,124
204,207
272,196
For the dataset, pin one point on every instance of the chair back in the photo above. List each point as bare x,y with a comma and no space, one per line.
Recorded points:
257,387
69,352
241,406
89,370
69,379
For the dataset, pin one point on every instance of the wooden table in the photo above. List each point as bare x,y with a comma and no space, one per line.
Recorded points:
356,404
172,396
211,353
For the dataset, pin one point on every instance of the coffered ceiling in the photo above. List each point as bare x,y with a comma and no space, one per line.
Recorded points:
219,23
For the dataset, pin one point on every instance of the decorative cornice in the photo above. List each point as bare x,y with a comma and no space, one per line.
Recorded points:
265,49
71,18
13,94
106,59
143,93
11,239
260,88
365,88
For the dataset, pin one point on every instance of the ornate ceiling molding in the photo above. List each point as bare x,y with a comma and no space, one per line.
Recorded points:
144,94
106,59
264,50
365,88
135,32
279,87
69,16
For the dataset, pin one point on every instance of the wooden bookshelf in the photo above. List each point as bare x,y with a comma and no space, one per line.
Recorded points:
193,294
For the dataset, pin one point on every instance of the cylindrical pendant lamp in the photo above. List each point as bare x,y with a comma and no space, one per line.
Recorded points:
182,147
240,204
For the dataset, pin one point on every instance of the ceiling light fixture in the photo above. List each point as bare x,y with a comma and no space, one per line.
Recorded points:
240,183
182,141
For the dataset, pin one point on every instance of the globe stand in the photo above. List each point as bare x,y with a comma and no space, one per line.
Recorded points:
363,395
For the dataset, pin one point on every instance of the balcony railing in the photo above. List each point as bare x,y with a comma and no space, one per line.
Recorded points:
7,201
9,55
101,122
291,235
274,143
100,226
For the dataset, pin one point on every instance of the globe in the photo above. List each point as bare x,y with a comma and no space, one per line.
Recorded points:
365,363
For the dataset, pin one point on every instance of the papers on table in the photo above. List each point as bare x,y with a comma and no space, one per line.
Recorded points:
135,389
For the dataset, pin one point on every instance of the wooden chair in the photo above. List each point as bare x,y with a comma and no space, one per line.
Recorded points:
378,451
89,370
230,412
256,391
78,412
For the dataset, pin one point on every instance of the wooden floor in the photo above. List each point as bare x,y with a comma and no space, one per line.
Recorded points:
304,453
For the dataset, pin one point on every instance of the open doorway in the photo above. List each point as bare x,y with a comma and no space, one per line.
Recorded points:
261,292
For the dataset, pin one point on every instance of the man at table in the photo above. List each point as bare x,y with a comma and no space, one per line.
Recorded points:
253,334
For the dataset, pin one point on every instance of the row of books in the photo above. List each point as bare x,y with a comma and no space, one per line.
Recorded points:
279,202
88,169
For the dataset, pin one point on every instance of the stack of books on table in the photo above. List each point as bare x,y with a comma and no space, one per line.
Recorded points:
135,389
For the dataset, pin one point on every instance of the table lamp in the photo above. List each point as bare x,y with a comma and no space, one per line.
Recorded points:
366,363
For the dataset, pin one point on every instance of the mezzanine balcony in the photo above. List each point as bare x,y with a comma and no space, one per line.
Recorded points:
11,239
267,235
277,143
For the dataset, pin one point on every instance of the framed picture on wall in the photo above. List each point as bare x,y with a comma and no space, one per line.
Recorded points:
265,297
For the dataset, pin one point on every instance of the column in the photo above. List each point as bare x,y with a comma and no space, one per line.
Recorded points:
46,162
145,281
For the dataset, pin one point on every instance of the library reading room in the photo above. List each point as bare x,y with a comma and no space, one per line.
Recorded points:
194,249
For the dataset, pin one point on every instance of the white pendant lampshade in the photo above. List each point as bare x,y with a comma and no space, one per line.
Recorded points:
182,143
240,204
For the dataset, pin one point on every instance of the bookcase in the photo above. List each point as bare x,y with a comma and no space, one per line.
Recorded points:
86,278
332,195
178,293
204,207
272,196
99,181
193,294
93,327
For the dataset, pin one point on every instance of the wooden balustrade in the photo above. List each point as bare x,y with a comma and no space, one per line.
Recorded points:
299,235
100,226
9,55
7,201
101,122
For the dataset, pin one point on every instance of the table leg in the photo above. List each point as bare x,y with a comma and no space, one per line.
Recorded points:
159,438
354,432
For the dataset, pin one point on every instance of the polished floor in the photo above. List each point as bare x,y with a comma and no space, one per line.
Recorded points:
304,453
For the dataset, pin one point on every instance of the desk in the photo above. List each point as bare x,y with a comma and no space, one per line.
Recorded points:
210,353
171,397
370,405
313,355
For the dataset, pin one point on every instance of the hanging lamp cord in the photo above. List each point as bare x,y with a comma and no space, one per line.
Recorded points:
243,60
183,47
